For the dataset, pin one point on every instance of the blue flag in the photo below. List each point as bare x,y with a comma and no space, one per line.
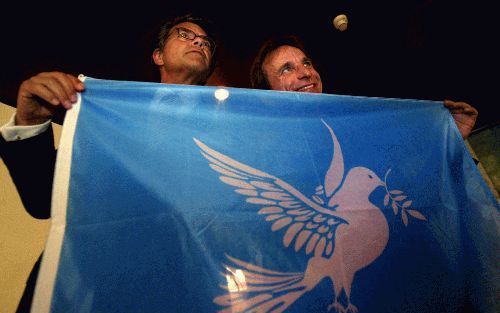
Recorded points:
173,198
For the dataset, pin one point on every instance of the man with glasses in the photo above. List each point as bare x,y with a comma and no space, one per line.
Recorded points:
282,64
185,54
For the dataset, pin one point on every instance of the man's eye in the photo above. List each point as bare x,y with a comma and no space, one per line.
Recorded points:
183,34
308,64
285,70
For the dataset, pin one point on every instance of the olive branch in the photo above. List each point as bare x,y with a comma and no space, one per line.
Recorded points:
399,202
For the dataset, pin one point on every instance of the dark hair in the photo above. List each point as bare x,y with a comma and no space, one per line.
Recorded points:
204,23
258,78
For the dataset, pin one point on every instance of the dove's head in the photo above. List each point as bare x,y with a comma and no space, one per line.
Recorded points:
362,180
358,185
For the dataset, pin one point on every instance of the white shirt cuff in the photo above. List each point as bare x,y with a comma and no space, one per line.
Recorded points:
13,132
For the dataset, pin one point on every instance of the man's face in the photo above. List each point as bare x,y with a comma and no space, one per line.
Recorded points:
180,53
288,68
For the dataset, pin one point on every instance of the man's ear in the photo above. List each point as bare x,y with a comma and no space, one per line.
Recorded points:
158,57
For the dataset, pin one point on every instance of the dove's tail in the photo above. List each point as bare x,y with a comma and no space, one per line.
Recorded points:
251,288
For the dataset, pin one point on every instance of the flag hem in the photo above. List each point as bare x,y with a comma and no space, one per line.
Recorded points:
46,279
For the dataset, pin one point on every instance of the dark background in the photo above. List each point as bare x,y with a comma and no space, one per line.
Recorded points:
419,49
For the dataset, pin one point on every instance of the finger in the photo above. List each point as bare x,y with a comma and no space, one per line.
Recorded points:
70,84
471,111
460,107
78,85
451,104
467,111
467,108
60,86
455,104
35,87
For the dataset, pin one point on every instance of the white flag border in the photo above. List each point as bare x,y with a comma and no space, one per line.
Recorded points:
44,289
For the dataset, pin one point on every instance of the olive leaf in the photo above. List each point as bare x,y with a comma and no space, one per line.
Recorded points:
386,200
404,217
396,197
417,214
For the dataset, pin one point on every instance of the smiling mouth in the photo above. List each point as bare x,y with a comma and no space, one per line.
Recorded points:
306,87
196,51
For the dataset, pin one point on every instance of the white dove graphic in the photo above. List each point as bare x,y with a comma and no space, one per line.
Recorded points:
342,236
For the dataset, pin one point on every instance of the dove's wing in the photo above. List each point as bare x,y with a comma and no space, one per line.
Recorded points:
335,172
307,223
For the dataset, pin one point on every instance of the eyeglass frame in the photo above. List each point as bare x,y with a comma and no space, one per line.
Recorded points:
203,37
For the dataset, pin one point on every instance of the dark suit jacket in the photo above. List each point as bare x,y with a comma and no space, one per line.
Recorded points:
31,165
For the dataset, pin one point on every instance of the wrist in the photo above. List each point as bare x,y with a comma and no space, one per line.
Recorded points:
22,121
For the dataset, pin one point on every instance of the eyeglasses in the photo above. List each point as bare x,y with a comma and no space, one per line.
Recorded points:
187,34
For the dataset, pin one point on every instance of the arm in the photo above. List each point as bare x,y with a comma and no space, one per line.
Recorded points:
31,161
31,166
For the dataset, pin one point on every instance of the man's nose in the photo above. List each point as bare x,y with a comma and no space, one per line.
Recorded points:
304,72
198,42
